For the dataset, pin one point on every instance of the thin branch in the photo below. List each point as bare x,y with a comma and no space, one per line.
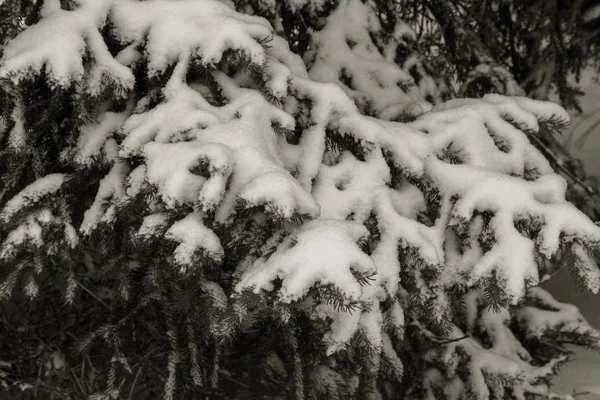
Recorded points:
92,294
137,374
561,166
445,342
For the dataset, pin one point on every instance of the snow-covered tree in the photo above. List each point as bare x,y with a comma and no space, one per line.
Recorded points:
190,210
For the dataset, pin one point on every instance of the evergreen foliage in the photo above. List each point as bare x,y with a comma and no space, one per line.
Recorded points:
188,209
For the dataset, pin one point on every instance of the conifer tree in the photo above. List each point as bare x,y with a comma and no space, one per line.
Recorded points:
189,209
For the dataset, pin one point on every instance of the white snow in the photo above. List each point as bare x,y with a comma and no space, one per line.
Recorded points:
505,359
17,138
207,27
323,251
31,194
592,13
94,136
58,42
341,329
193,236
29,232
111,187
566,316
153,223
216,293
343,47
244,148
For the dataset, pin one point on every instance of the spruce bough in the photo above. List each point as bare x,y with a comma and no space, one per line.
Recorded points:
187,211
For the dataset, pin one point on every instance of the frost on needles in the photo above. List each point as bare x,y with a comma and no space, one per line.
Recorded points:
222,222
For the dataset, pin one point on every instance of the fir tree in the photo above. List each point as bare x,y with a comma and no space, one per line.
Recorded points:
188,209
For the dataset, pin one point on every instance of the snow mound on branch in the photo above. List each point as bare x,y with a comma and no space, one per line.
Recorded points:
350,187
57,44
170,165
320,251
185,109
112,187
206,27
344,53
239,147
31,195
152,224
30,232
510,199
193,236
94,136
551,315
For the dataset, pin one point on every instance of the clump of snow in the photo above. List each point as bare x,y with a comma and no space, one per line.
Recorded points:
193,236
94,136
29,233
344,53
57,44
321,251
489,177
170,165
184,110
58,360
31,195
509,197
216,293
591,14
505,360
350,187
111,187
17,138
342,327
152,224
551,315
135,182
206,27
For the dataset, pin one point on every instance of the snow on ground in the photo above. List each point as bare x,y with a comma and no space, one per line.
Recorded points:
582,374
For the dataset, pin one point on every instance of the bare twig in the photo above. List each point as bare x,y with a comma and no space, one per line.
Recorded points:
445,342
98,299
